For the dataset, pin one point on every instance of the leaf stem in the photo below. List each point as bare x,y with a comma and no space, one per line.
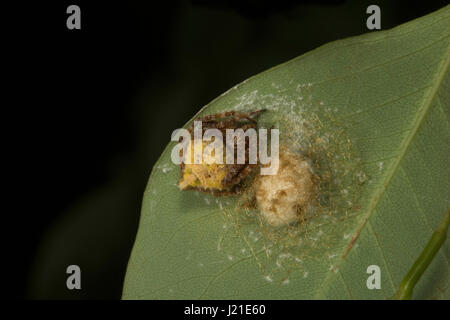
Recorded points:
437,239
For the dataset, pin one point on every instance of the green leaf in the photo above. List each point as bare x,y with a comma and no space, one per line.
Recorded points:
438,238
373,112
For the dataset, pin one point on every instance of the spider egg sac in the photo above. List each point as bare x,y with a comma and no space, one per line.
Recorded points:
284,197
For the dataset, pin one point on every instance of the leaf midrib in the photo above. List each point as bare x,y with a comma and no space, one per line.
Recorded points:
426,106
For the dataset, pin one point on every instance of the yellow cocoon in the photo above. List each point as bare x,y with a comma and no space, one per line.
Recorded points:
283,198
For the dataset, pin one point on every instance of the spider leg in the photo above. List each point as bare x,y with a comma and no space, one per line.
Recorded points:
236,179
256,112
236,115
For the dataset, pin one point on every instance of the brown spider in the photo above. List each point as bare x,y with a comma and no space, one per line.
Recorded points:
220,179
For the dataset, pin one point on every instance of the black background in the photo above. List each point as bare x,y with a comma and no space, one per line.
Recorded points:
89,112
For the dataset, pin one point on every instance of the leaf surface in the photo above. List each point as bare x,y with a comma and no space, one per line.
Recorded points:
389,91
